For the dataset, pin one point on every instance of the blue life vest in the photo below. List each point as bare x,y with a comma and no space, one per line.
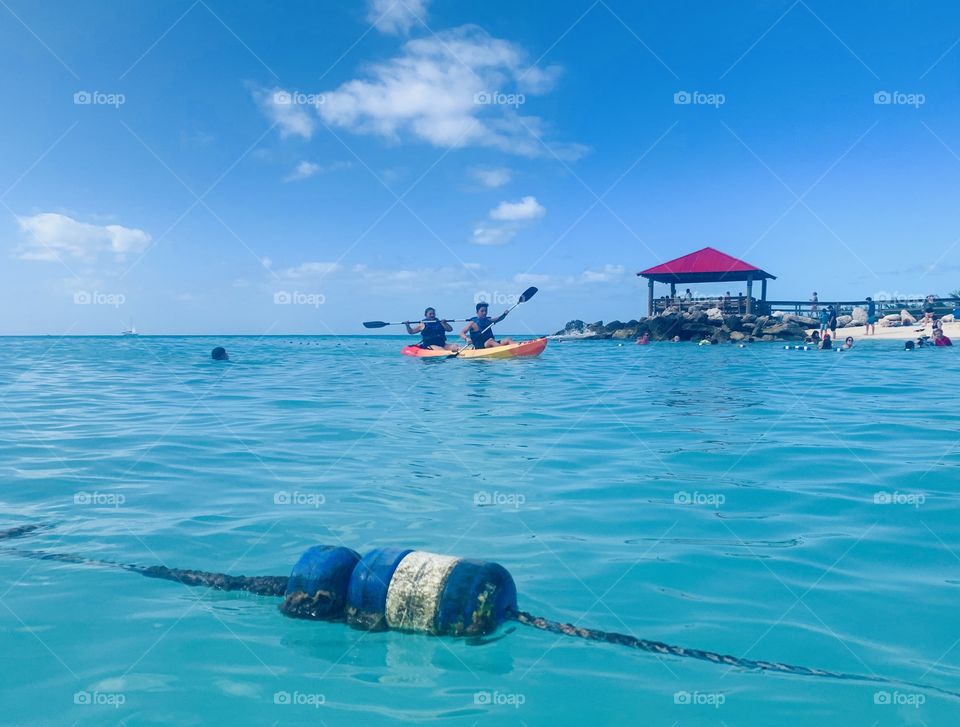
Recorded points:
433,333
481,336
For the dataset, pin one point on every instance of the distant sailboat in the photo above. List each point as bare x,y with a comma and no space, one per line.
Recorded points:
132,331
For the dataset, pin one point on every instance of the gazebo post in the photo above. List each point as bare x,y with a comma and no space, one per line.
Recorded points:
763,294
673,292
750,294
650,297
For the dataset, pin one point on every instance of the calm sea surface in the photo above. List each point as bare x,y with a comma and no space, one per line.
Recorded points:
790,506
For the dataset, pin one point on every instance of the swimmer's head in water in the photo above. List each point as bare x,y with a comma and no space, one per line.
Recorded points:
219,354
908,346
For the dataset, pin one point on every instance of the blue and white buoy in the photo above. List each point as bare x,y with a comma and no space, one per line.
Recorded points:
405,590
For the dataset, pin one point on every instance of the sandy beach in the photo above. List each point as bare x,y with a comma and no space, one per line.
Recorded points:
897,333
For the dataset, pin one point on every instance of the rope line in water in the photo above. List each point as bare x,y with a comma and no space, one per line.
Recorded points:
314,606
658,647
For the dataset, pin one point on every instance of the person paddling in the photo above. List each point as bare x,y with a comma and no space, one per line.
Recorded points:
433,332
480,330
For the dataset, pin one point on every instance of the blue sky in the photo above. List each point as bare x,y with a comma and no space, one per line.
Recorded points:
192,166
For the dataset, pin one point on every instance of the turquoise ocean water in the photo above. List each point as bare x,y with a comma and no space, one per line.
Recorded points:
782,505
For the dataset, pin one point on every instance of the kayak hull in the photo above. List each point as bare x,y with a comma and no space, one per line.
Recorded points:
418,352
513,350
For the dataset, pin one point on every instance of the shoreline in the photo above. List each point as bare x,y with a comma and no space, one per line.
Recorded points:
896,333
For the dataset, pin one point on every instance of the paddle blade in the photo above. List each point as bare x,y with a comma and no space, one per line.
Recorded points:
528,294
375,324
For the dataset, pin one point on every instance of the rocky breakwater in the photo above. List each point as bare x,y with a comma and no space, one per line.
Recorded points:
696,325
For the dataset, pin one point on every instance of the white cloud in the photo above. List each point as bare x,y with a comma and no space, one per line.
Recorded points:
311,270
306,169
526,209
52,236
486,234
282,108
396,17
491,177
303,170
532,279
446,90
607,274
506,220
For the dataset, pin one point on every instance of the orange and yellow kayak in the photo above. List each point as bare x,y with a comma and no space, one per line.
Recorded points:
513,350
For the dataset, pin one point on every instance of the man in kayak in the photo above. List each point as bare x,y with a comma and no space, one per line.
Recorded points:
480,329
433,332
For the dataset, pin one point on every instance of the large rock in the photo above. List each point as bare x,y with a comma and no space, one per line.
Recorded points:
625,333
749,318
859,315
907,319
785,332
844,321
577,329
732,323
801,320
892,317
760,323
665,326
721,336
737,336
613,326
715,314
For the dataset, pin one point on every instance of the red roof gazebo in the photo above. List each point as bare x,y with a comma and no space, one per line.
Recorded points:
708,265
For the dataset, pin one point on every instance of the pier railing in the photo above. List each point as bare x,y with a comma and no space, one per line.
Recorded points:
737,305
734,305
941,306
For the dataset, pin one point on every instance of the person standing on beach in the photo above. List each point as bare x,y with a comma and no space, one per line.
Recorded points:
927,312
832,320
824,321
871,316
